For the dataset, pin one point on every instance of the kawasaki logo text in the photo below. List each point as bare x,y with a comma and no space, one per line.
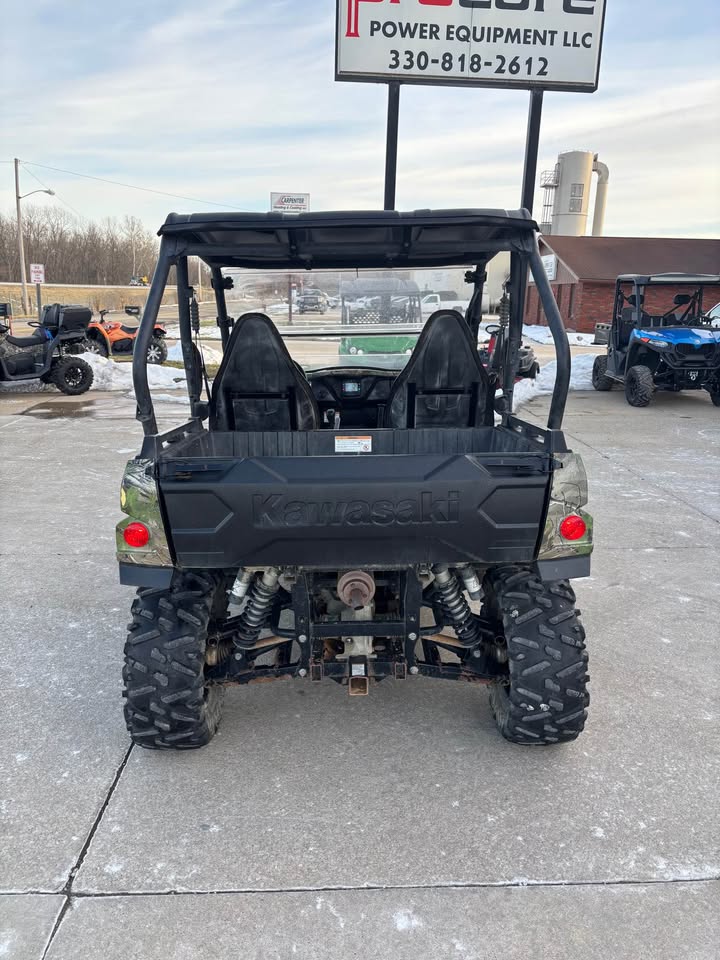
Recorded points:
280,511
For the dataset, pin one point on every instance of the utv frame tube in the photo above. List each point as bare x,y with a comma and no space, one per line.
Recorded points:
184,294
221,305
145,413
557,328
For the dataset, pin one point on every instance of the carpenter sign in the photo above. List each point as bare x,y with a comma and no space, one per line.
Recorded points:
289,202
553,44
37,273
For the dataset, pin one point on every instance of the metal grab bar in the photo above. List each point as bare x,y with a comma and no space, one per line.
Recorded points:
562,346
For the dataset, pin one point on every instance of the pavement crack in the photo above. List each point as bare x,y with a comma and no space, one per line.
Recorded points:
390,887
67,890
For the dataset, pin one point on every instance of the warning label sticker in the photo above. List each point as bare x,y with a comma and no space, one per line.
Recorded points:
353,444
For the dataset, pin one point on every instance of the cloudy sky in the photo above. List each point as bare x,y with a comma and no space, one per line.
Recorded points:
226,100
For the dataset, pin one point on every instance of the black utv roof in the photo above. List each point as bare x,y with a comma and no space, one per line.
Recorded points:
696,279
348,239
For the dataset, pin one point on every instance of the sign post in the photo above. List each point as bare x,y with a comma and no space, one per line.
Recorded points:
535,45
391,144
37,276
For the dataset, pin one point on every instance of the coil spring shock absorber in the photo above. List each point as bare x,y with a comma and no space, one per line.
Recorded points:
456,606
194,315
257,607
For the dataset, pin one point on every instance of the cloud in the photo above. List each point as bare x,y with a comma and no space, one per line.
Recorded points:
228,100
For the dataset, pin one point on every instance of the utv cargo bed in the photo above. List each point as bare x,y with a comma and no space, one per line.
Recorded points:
233,499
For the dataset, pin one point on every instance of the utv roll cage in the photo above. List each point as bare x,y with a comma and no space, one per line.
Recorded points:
381,240
684,309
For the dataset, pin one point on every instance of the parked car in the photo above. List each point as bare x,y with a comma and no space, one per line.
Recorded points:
448,300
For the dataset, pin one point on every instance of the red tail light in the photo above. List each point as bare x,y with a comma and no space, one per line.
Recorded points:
573,527
136,534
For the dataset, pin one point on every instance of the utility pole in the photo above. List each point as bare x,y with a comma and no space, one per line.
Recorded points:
21,245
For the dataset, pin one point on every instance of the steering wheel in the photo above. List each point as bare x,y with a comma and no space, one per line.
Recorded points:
493,329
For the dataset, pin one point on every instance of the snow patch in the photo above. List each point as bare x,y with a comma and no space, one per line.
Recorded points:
321,902
118,376
580,379
406,920
210,353
540,334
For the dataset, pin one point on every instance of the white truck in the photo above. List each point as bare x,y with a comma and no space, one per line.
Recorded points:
447,300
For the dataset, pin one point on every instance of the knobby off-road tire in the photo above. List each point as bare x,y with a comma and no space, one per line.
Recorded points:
543,699
91,345
639,386
168,703
600,380
71,375
157,351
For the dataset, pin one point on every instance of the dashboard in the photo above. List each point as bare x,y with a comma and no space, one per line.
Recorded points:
352,397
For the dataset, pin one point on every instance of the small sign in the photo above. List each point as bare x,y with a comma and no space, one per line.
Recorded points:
353,444
37,273
549,262
553,44
289,202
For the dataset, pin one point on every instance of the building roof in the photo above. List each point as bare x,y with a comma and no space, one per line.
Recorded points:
605,258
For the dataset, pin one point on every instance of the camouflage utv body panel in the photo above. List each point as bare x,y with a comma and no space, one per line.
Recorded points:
568,495
8,351
140,501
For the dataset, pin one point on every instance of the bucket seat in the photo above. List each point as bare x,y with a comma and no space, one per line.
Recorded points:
258,385
444,383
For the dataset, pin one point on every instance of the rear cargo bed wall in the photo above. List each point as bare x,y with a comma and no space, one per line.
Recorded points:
312,443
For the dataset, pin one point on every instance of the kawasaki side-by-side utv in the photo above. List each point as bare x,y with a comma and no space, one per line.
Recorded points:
354,522
666,344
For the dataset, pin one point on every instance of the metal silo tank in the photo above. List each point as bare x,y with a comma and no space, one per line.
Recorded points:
572,195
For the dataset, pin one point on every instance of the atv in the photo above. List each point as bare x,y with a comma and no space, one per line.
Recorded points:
673,348
352,523
111,338
49,354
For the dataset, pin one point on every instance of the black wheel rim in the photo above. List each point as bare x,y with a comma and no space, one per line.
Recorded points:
74,376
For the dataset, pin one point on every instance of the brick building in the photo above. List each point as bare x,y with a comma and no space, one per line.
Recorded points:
585,270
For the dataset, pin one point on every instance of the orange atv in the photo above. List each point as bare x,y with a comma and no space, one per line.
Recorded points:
111,338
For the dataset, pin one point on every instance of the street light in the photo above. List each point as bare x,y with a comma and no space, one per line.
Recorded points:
21,245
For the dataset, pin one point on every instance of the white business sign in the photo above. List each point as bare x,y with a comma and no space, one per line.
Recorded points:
554,44
549,263
289,202
37,273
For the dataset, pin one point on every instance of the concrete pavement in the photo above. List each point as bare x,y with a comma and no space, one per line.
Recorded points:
395,826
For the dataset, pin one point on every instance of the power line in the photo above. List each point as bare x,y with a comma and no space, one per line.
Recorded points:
63,201
130,186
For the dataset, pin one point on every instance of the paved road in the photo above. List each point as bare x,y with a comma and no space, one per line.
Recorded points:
394,826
